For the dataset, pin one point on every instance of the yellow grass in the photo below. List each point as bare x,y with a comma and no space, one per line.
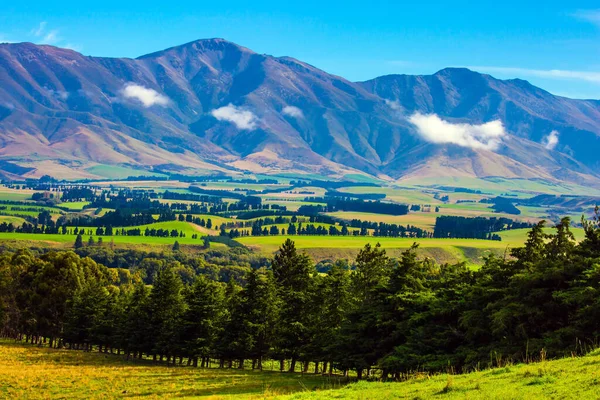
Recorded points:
29,372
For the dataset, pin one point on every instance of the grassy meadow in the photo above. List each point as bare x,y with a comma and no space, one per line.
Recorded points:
30,372
568,378
271,243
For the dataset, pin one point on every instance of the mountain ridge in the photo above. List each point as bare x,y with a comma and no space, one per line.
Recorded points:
212,105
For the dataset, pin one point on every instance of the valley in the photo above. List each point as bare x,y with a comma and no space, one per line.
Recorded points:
210,221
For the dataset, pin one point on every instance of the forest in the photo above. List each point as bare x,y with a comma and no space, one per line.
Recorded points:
377,316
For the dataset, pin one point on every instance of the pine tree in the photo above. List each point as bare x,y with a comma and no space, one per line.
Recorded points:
229,346
78,241
137,329
293,274
202,318
260,306
166,307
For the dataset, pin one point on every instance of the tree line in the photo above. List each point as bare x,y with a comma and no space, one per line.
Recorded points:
457,227
379,316
348,204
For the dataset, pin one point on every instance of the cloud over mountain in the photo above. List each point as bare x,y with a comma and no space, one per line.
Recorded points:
433,129
293,111
551,140
241,118
148,97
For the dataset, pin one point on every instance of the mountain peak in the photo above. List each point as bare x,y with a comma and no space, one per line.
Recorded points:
457,72
201,46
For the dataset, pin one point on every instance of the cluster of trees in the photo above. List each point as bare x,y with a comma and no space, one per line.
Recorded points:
474,227
348,204
78,193
151,232
360,196
502,205
389,230
220,263
381,316
168,195
42,224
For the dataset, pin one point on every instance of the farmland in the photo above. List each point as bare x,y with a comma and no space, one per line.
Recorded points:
433,201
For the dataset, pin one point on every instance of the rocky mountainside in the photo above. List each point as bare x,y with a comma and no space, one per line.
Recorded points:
211,105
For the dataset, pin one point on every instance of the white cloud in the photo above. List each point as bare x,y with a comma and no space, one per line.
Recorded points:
551,140
242,119
394,105
39,31
293,111
433,129
592,16
558,74
148,97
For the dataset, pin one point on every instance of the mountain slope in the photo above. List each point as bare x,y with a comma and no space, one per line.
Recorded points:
211,105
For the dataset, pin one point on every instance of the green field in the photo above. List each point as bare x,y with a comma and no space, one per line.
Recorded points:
74,205
500,186
272,243
30,372
118,172
11,220
33,210
399,195
419,219
15,195
187,228
568,378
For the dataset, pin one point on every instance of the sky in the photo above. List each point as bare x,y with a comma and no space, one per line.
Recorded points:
553,44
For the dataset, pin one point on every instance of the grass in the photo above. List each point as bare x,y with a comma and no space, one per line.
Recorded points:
9,219
568,378
15,195
118,172
33,210
30,372
74,205
499,186
272,243
419,219
186,227
291,205
399,195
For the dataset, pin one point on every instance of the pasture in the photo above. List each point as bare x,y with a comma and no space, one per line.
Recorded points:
568,378
41,373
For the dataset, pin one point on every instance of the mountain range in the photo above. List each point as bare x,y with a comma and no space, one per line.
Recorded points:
211,105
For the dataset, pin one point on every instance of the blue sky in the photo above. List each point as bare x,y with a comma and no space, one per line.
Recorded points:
553,44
